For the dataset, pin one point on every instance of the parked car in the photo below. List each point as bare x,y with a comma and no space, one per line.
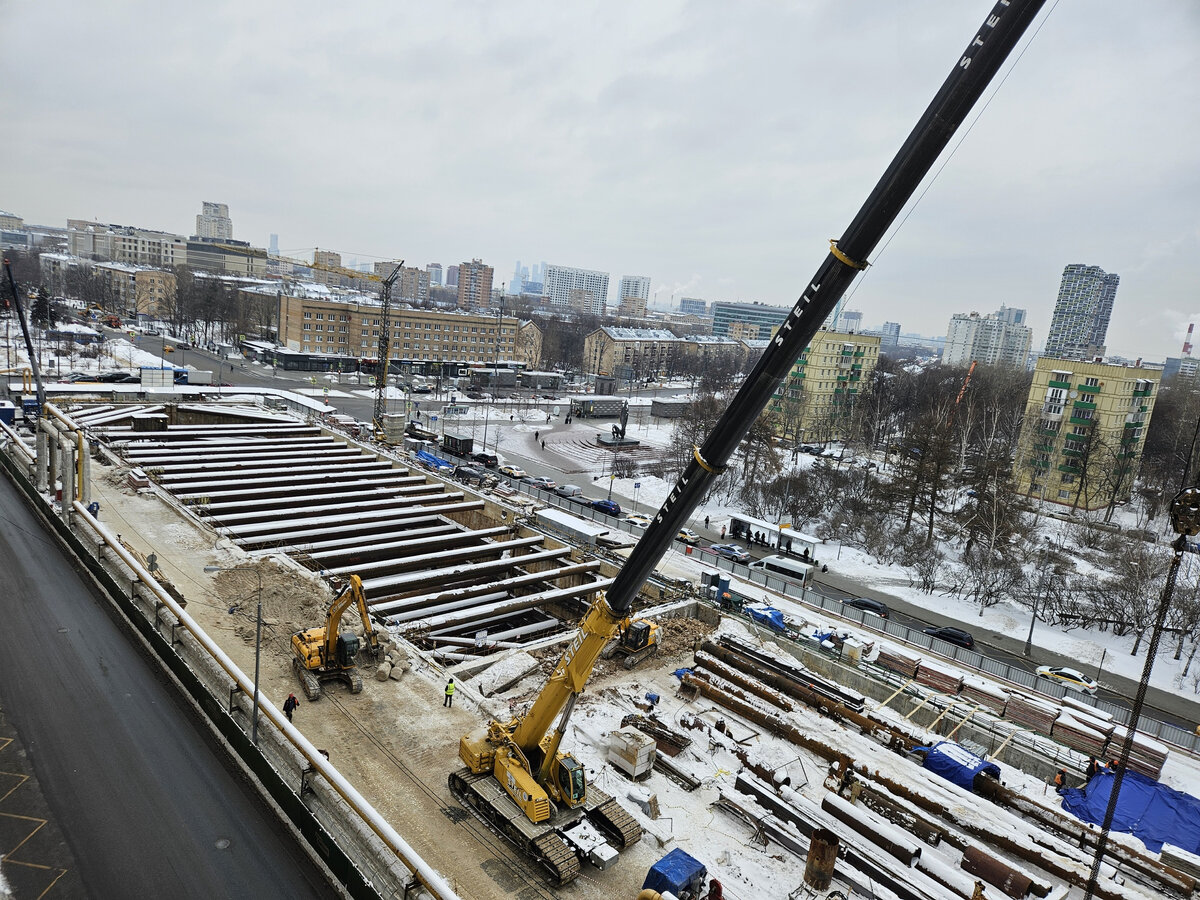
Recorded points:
609,507
488,459
422,389
868,604
952,636
569,491
540,481
688,536
637,520
512,471
1071,679
731,551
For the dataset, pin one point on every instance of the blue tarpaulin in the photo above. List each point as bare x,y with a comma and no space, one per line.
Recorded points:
1150,811
957,764
767,615
676,872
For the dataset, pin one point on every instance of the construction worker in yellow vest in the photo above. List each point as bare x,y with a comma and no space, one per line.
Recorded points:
449,693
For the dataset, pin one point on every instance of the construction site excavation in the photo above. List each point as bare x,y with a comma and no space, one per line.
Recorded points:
725,754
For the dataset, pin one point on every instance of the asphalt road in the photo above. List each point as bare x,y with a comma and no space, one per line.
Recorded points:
141,795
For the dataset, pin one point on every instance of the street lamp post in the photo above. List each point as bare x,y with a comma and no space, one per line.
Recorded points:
257,637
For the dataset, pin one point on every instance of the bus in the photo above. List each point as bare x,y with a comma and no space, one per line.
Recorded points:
786,567
782,537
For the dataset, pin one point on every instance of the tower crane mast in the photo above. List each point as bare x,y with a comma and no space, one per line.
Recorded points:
385,346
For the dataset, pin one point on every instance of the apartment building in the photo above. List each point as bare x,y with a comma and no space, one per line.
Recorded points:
122,243
1085,424
747,321
560,281
349,325
815,400
474,281
1079,327
988,339
629,353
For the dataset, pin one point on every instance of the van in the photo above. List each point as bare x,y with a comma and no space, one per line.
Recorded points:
785,567
569,491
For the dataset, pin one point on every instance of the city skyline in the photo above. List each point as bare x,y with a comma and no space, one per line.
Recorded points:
1080,142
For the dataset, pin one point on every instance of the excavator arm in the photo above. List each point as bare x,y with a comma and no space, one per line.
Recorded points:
353,593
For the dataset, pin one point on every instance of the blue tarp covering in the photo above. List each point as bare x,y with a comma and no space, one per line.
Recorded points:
767,615
957,764
1150,811
434,462
676,872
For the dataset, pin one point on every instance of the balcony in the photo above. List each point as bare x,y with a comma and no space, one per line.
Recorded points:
1061,384
1080,420
1088,388
1040,463
1083,404
1144,392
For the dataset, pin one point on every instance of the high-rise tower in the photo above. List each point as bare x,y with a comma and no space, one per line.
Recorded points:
1081,314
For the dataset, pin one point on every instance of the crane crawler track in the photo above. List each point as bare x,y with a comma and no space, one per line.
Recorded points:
618,826
541,844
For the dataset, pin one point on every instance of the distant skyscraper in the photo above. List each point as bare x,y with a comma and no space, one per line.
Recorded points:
274,248
214,222
635,286
850,321
986,339
435,273
560,281
1011,316
889,335
452,276
693,306
1079,327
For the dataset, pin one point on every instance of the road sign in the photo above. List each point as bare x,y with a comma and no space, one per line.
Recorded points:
637,485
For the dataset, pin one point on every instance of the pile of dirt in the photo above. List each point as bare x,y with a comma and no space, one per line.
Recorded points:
292,598
681,636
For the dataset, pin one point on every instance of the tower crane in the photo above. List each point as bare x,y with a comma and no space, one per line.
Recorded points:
385,346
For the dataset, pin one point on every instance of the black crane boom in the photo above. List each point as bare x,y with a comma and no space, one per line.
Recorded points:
967,81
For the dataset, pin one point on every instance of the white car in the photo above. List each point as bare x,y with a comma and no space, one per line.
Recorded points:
1072,679
637,520
512,471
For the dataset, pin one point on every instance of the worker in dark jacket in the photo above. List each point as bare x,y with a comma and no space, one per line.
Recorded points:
1060,780
449,693
1093,767
289,706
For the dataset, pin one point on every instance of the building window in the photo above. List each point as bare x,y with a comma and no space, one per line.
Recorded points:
1091,382
308,315
320,315
1064,495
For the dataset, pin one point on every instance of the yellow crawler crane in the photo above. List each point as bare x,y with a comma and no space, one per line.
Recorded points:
516,777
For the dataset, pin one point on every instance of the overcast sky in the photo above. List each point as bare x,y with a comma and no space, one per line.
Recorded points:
714,147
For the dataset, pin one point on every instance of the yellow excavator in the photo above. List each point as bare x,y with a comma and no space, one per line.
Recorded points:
636,639
323,653
516,777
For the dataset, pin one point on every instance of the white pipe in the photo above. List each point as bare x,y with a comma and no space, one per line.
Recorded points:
81,447
425,873
15,440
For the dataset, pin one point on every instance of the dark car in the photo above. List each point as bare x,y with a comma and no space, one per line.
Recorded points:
468,475
611,507
952,636
488,459
867,604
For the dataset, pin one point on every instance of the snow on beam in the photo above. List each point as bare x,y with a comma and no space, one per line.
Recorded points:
361,551
331,454
410,607
354,533
310,526
454,555
543,624
360,484
344,507
216,473
393,584
507,607
299,495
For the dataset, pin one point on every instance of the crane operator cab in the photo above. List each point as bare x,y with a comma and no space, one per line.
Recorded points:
572,781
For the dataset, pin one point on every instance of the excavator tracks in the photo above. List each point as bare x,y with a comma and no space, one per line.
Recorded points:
484,797
618,826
